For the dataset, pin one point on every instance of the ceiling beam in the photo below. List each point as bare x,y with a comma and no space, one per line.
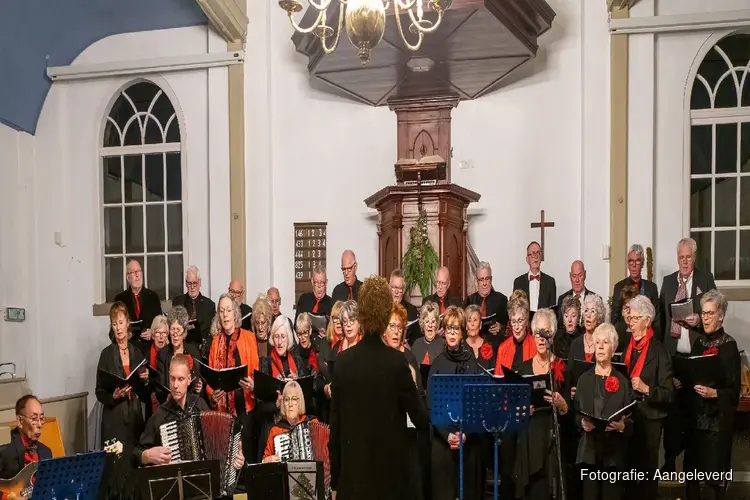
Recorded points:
227,17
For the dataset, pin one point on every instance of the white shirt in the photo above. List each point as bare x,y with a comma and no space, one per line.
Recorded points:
683,343
534,291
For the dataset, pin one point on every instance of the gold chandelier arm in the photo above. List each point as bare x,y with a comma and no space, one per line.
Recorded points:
406,5
418,24
311,28
396,6
329,50
322,6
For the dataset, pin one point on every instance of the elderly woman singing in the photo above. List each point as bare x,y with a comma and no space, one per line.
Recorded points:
584,348
712,408
428,347
602,392
520,346
568,329
650,370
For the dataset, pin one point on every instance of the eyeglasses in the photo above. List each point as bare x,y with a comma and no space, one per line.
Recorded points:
442,283
36,419
636,318
486,279
236,292
336,321
347,269
589,312
535,253
135,273
397,288
303,333
294,400
708,314
192,284
452,329
349,322
517,322
395,327
162,333
635,261
319,283
430,322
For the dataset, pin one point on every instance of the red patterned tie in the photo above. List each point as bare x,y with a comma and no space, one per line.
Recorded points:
137,307
350,293
315,307
532,278
442,305
484,307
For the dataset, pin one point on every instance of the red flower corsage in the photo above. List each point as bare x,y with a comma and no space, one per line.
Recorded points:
711,351
485,351
611,384
558,370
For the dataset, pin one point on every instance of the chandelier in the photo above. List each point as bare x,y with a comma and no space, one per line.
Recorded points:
365,21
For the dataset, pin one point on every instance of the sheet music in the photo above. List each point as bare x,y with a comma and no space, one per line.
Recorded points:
409,423
412,322
246,316
682,310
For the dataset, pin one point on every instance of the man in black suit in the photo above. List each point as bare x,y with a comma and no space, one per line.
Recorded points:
143,306
540,288
316,302
372,393
349,288
577,288
237,291
678,337
489,301
201,310
645,287
442,286
24,447
398,285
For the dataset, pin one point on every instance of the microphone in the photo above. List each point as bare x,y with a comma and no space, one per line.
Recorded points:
544,333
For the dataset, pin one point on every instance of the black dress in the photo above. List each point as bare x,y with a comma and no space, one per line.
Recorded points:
445,461
323,378
563,340
122,419
711,421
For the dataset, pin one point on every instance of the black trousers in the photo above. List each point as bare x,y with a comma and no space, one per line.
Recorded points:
643,455
600,490
675,427
445,470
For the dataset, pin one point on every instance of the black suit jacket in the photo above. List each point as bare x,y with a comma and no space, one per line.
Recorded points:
307,301
703,281
150,306
204,314
12,455
372,393
247,322
648,289
449,300
496,303
657,375
547,288
341,291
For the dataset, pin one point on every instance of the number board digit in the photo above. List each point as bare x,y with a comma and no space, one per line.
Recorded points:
309,252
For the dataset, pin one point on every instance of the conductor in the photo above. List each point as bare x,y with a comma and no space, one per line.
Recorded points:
372,392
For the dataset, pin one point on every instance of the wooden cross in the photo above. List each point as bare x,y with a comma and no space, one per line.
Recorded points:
541,225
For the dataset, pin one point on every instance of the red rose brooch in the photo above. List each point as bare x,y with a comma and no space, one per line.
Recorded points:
485,351
558,370
711,351
611,384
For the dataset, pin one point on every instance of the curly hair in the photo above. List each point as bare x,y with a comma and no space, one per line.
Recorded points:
400,312
375,304
454,315
518,302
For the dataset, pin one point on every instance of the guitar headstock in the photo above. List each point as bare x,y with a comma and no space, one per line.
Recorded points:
113,446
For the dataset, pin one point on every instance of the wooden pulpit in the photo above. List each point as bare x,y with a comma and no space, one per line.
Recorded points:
422,178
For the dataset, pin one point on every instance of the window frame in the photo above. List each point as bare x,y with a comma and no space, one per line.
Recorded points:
715,116
103,152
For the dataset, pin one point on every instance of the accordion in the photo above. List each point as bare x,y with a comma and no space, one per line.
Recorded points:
306,441
208,435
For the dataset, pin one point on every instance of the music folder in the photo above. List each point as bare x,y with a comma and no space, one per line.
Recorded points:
318,322
136,325
191,324
110,382
539,385
488,321
600,424
226,379
579,366
682,310
698,370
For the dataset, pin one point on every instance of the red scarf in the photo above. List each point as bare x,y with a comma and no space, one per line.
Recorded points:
152,357
312,361
30,453
277,367
507,351
226,360
642,347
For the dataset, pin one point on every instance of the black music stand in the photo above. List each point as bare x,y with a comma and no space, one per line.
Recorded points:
283,480
192,480
77,477
496,408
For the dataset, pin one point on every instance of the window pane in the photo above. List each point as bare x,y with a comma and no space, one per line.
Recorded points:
111,135
700,146
173,132
121,112
156,274
155,228
745,201
726,248
133,133
142,94
163,111
726,148
745,255
134,229
114,277
745,145
111,180
703,258
699,98
726,94
155,177
133,178
700,203
174,227
153,132
113,230
726,201
175,275
174,176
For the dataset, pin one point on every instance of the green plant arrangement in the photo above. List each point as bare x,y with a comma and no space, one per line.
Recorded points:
649,264
421,262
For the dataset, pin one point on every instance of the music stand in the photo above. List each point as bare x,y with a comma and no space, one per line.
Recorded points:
191,480
76,477
496,408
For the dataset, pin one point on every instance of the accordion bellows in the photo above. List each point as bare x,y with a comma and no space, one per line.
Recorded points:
208,435
305,441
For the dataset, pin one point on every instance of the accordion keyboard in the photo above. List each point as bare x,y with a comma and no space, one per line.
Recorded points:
170,437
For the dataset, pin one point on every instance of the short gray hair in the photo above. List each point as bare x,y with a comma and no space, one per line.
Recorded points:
638,250
643,306
484,265
158,321
598,304
717,298
281,323
570,302
303,320
235,308
319,270
193,269
429,308
609,331
547,314
179,315
689,242
350,309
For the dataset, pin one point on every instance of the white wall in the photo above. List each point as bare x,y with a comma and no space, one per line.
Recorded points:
53,183
313,156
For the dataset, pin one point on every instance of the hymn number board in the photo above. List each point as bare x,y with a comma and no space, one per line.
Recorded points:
309,252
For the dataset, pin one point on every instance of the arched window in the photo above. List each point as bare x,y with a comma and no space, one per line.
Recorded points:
720,160
142,191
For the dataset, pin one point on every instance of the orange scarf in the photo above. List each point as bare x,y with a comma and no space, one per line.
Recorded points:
507,351
642,347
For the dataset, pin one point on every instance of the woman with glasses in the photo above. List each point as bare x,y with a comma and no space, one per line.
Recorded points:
584,348
520,346
352,333
393,336
292,410
159,337
650,371
712,408
178,321
322,384
568,330
262,318
305,349
428,347
483,350
455,359
624,333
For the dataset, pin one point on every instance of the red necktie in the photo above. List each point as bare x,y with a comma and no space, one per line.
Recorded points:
315,307
350,293
442,305
578,295
532,278
637,286
484,307
137,307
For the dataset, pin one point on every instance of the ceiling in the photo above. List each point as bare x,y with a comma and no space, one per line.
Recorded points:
35,34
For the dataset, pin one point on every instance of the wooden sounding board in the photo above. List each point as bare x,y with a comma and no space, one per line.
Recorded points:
309,252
